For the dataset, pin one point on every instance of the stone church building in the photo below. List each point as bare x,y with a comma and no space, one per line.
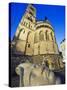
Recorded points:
37,39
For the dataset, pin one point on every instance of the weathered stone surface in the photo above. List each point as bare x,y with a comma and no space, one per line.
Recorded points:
52,61
34,75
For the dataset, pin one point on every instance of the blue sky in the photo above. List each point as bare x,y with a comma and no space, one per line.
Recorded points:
54,13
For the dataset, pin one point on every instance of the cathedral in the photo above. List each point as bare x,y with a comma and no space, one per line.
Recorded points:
37,39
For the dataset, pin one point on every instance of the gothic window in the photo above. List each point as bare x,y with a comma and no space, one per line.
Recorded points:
41,36
35,38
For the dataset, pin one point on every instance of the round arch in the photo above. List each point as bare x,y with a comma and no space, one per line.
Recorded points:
41,35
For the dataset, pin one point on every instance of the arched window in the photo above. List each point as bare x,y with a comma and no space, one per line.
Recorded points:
19,32
46,35
41,36
35,38
51,36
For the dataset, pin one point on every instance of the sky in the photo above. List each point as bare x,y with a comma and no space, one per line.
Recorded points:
54,13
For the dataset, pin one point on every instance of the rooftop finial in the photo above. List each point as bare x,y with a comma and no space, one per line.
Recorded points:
45,18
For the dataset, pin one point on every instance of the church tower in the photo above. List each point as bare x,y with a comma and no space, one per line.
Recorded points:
26,26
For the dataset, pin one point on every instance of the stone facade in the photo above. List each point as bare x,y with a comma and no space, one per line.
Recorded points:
37,39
